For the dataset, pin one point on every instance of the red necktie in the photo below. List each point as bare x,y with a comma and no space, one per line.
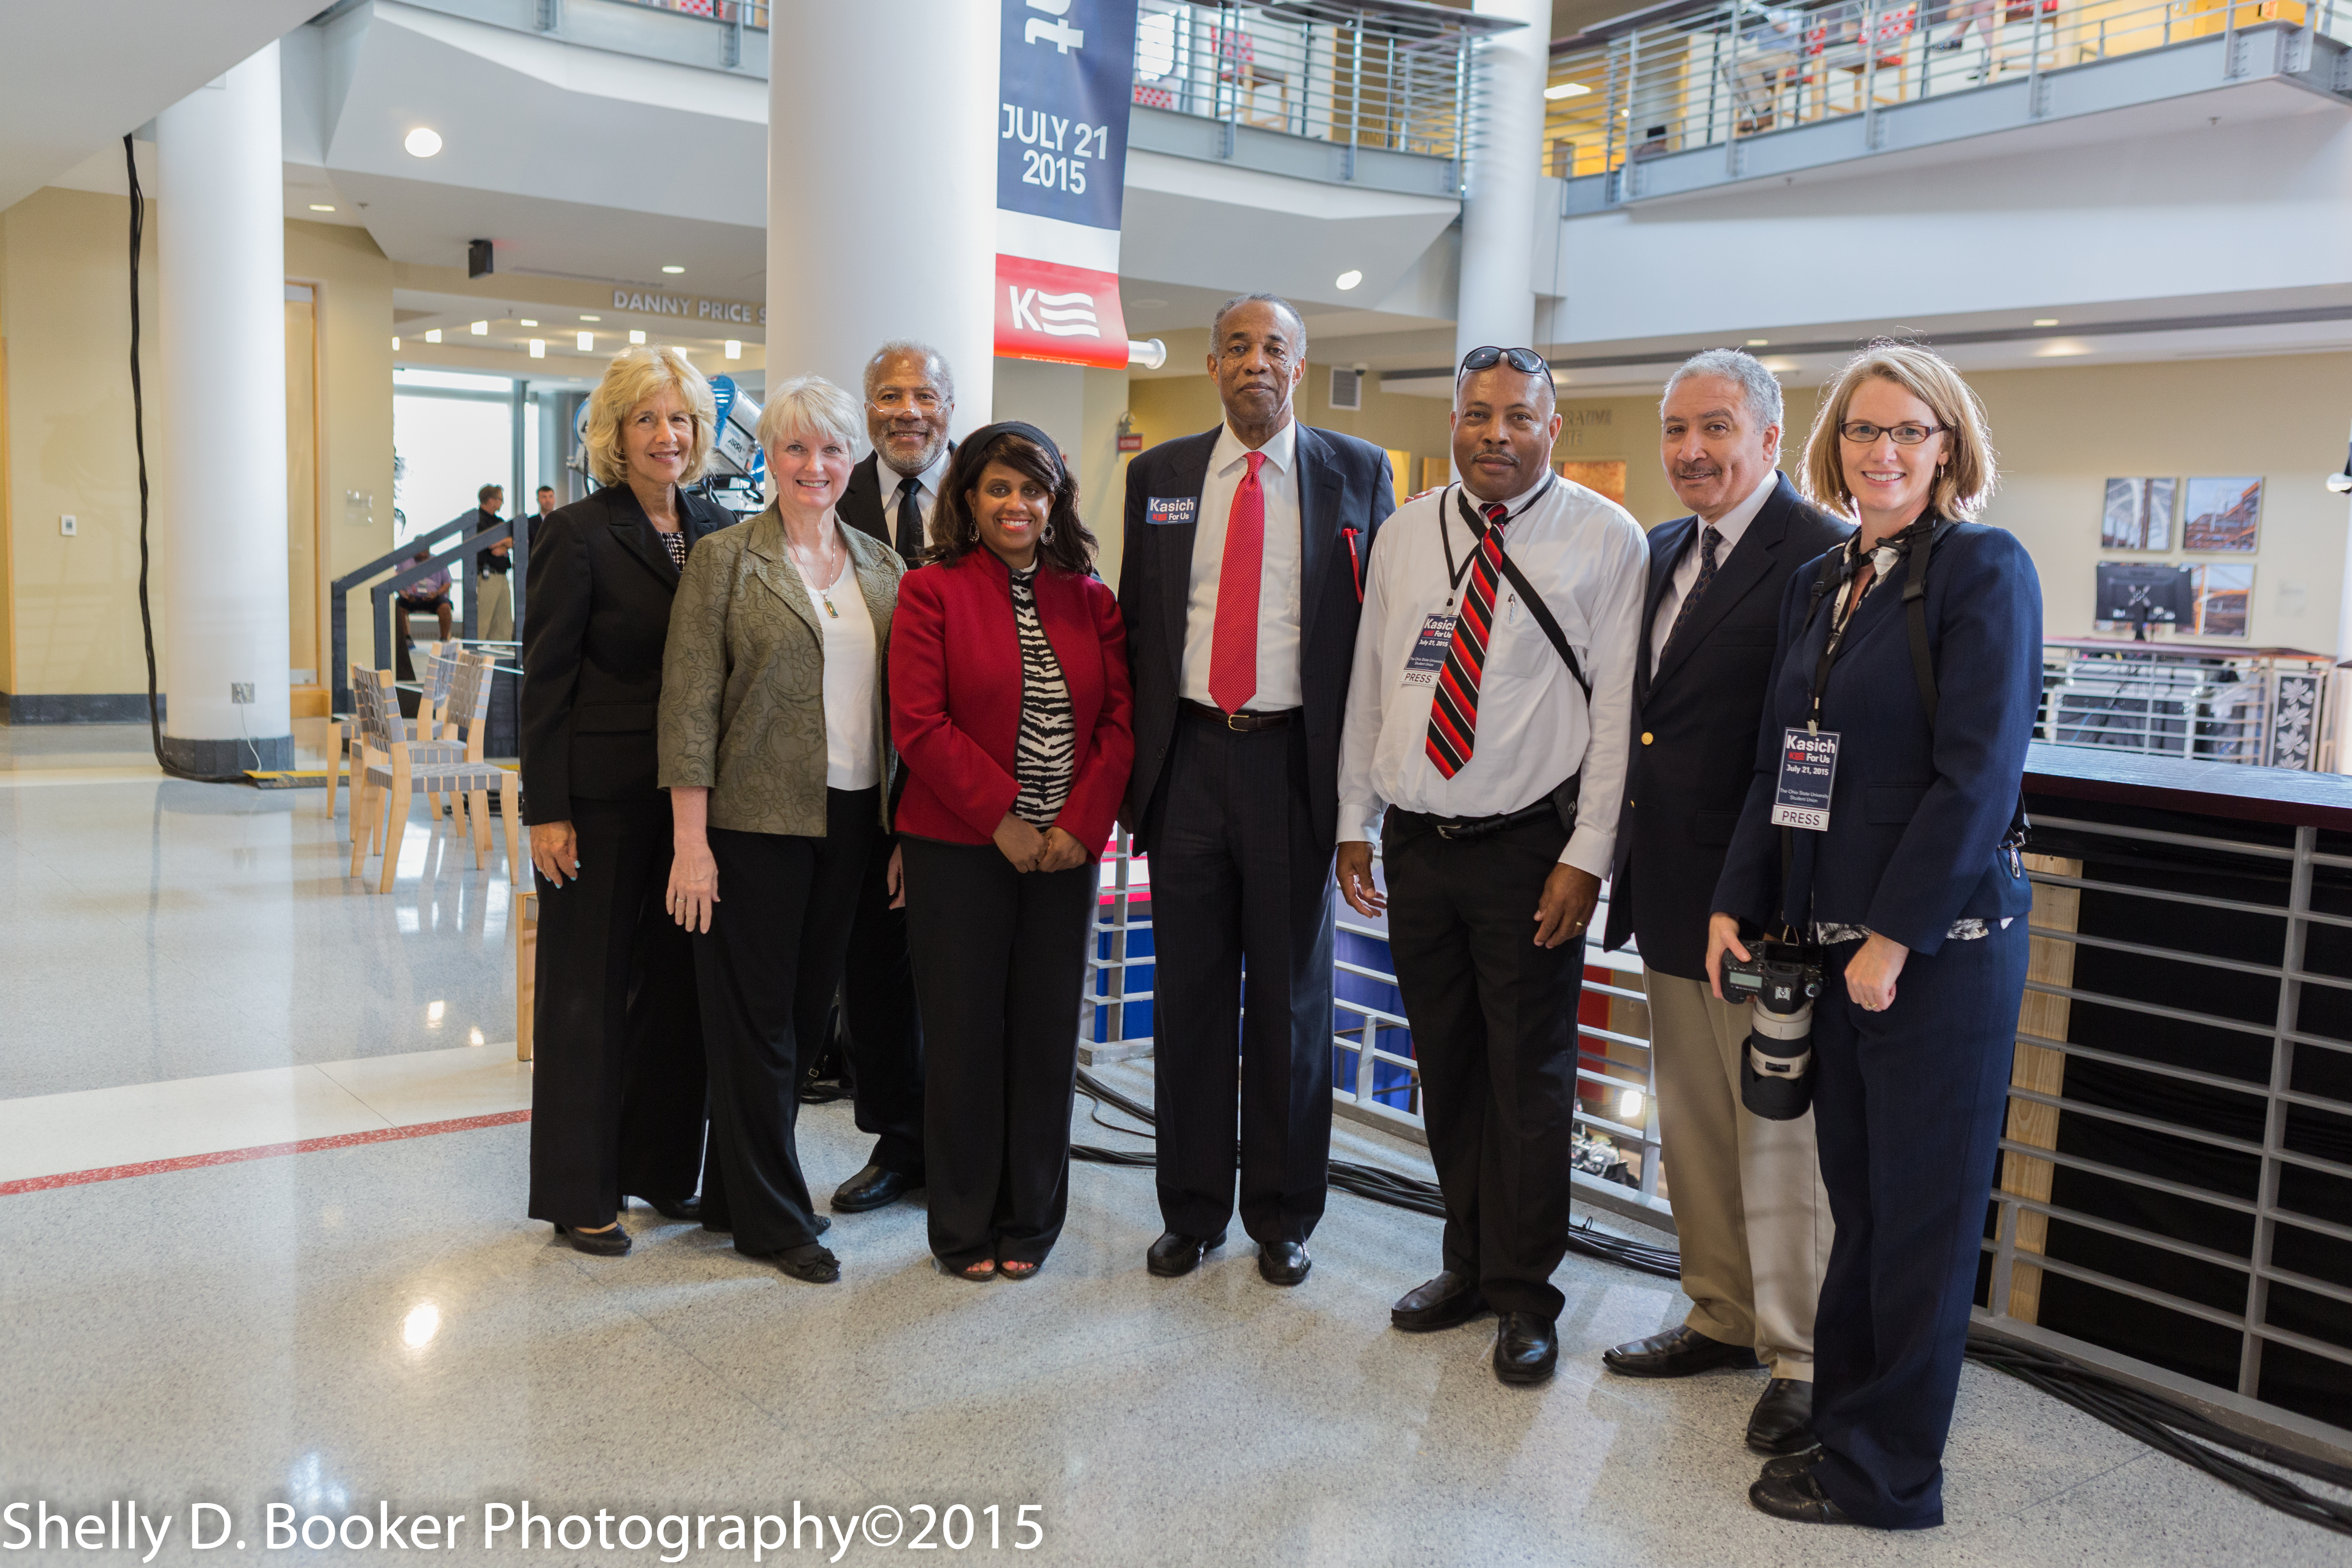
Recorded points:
1233,642
1453,712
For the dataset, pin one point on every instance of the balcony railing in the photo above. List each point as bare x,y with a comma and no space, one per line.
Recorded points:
1715,73
1387,74
2270,708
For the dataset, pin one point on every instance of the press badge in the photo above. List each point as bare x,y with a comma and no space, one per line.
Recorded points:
1808,764
1429,647
1165,509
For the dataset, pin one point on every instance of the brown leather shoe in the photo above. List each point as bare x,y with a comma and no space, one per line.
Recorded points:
1679,1352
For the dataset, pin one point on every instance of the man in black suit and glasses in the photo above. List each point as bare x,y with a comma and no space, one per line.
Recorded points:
1753,1219
1241,585
909,395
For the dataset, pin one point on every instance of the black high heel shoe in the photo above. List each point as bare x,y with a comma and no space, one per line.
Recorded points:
811,1261
674,1208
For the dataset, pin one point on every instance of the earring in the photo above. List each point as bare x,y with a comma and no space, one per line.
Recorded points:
1047,535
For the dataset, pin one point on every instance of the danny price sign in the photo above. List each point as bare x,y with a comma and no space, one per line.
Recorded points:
1065,86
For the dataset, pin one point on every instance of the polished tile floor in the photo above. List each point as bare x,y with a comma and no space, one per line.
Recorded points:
373,1322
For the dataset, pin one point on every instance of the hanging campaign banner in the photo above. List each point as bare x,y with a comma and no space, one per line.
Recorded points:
1065,83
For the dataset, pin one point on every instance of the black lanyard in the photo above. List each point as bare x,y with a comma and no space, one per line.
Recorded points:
1911,538
1478,527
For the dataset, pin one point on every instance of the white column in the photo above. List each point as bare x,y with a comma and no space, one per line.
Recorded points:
1497,300
220,398
882,189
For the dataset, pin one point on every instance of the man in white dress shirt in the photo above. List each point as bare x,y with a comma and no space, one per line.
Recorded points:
1487,726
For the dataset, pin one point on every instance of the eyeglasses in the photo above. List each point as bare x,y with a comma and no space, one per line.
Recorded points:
1526,361
1862,433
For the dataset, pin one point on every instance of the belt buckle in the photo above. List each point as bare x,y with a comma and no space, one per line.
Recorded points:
1233,722
1448,831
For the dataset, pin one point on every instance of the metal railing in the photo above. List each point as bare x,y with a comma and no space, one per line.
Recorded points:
1712,75
2270,710
1387,73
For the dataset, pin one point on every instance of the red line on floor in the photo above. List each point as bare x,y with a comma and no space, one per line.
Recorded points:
259,1152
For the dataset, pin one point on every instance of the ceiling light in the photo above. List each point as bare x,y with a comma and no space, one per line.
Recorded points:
1566,90
539,348
591,318
586,340
637,334
1759,342
423,142
2062,348
528,322
1348,280
322,206
734,348
433,335
396,346
673,268
2045,320
480,329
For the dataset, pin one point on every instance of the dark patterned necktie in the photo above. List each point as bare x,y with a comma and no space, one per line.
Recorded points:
911,519
1453,712
1709,542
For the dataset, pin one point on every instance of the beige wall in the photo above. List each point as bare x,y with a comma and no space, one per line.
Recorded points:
72,604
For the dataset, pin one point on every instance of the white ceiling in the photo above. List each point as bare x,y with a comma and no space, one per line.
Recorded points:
75,80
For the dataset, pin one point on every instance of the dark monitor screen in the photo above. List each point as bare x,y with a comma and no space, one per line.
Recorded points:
2138,591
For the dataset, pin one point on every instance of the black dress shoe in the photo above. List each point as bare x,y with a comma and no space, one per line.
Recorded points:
1283,1262
1783,1422
1175,1253
1799,1498
674,1208
1677,1352
1439,1304
872,1188
1527,1348
612,1243
1795,1464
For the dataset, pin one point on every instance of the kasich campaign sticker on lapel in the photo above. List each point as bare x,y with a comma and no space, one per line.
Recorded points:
1170,509
1808,764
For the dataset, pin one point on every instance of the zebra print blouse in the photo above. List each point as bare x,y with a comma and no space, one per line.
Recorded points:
1047,752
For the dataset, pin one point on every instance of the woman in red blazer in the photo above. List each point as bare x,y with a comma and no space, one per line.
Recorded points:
1010,708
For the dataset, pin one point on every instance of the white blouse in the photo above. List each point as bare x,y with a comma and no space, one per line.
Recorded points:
849,675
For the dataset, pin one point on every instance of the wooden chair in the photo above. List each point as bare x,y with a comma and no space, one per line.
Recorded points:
392,768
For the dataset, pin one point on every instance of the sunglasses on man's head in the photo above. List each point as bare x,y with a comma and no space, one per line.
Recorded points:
1526,361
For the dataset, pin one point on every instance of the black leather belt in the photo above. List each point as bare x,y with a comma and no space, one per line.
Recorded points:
1484,827
1244,721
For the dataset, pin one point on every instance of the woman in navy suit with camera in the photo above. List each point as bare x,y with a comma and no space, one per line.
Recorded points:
1913,892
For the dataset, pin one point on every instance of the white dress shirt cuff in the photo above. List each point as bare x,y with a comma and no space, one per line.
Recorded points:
1360,820
1591,849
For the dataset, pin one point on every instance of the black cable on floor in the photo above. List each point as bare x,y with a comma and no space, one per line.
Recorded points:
2164,1425
139,440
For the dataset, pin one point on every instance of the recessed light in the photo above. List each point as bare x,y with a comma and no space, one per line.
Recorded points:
673,269
396,346
1566,90
421,142
480,329
1759,342
539,348
591,318
433,335
527,321
2045,320
322,206
637,334
734,348
1348,280
587,341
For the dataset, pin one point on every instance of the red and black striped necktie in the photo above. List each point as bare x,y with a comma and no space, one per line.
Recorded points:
1453,712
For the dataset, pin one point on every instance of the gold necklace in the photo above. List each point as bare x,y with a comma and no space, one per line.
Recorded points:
824,591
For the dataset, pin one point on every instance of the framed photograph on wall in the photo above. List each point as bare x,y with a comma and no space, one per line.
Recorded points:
2221,516
2225,596
2138,515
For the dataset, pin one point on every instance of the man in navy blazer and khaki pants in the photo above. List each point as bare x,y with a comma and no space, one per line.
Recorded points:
1749,1210
1240,585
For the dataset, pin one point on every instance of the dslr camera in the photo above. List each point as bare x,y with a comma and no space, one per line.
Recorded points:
1781,978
